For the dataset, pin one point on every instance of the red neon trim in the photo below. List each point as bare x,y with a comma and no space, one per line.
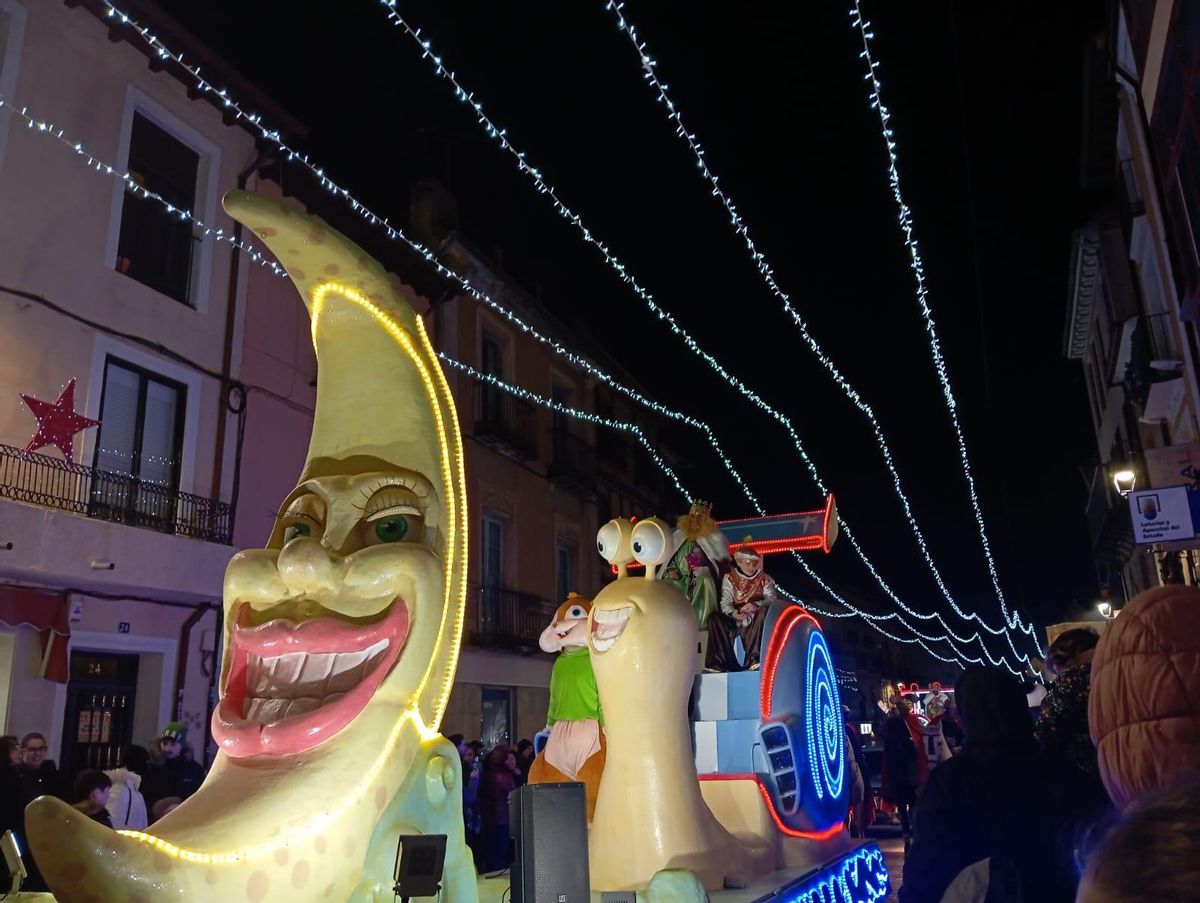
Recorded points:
792,615
632,566
786,544
831,831
825,525
737,520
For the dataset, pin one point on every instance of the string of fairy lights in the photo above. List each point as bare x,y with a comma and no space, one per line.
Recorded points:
905,218
742,228
236,110
134,187
231,104
45,128
545,188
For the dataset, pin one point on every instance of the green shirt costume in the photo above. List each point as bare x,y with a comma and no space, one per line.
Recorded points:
573,693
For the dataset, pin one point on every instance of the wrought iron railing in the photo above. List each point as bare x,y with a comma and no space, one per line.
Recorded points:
506,421
499,616
114,497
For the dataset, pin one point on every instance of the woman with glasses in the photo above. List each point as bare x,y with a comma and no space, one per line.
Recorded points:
34,776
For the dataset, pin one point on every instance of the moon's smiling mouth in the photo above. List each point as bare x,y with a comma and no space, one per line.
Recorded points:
608,625
294,684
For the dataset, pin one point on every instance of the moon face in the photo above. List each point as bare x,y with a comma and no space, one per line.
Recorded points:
318,622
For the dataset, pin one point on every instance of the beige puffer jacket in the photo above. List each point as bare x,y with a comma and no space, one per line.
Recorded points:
1144,709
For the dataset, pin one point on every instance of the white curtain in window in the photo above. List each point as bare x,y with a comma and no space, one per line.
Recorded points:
118,420
159,452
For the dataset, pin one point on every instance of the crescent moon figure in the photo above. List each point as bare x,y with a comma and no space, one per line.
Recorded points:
341,635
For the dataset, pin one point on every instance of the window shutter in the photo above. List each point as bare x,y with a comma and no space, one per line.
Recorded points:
118,420
159,451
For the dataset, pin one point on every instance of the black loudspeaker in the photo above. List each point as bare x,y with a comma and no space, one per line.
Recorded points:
550,844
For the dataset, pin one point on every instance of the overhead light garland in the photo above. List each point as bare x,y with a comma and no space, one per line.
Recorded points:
131,184
272,136
917,265
674,114
500,135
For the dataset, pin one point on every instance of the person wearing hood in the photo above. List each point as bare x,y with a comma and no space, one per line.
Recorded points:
126,805
985,825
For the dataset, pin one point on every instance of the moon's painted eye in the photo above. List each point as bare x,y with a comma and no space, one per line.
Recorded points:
649,542
299,528
576,612
608,539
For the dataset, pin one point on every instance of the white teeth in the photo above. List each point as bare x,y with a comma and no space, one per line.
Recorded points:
283,686
607,626
613,616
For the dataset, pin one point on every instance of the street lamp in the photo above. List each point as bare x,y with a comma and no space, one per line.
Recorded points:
1105,609
1123,481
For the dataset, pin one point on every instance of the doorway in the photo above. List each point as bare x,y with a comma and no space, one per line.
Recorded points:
98,719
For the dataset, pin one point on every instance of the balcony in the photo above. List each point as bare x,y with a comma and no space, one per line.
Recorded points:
505,423
508,619
113,497
572,463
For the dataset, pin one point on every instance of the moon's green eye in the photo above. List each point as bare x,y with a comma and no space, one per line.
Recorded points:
297,529
391,529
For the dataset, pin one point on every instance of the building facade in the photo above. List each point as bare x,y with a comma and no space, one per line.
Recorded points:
196,363
114,561
1135,280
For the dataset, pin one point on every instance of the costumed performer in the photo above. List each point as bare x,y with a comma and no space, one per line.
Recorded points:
701,553
575,750
746,592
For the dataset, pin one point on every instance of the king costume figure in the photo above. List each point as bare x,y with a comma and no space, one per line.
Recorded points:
746,592
701,552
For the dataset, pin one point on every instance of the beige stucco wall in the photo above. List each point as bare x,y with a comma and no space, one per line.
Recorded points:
59,223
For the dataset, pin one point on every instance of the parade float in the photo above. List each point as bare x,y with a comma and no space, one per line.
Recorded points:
341,645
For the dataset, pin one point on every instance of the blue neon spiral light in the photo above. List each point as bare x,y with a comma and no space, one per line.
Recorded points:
823,728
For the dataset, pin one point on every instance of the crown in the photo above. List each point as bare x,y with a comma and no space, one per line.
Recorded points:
700,508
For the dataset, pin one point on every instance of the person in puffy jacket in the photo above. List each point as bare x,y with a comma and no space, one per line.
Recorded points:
1144,707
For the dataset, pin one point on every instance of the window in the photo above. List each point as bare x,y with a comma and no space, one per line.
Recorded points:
492,357
493,551
140,438
12,25
155,247
495,711
492,363
564,570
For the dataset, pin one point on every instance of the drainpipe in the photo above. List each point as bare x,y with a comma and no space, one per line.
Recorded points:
185,637
218,643
227,386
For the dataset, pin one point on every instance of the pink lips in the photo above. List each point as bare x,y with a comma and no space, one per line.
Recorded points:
241,737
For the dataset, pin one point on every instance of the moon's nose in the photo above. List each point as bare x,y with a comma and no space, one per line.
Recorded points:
308,569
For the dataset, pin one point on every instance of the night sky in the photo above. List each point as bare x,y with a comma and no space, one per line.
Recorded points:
986,108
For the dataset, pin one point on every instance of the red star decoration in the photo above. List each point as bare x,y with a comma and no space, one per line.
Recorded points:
57,423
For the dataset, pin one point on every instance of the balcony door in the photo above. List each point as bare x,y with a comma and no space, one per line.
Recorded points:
138,447
492,363
492,582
